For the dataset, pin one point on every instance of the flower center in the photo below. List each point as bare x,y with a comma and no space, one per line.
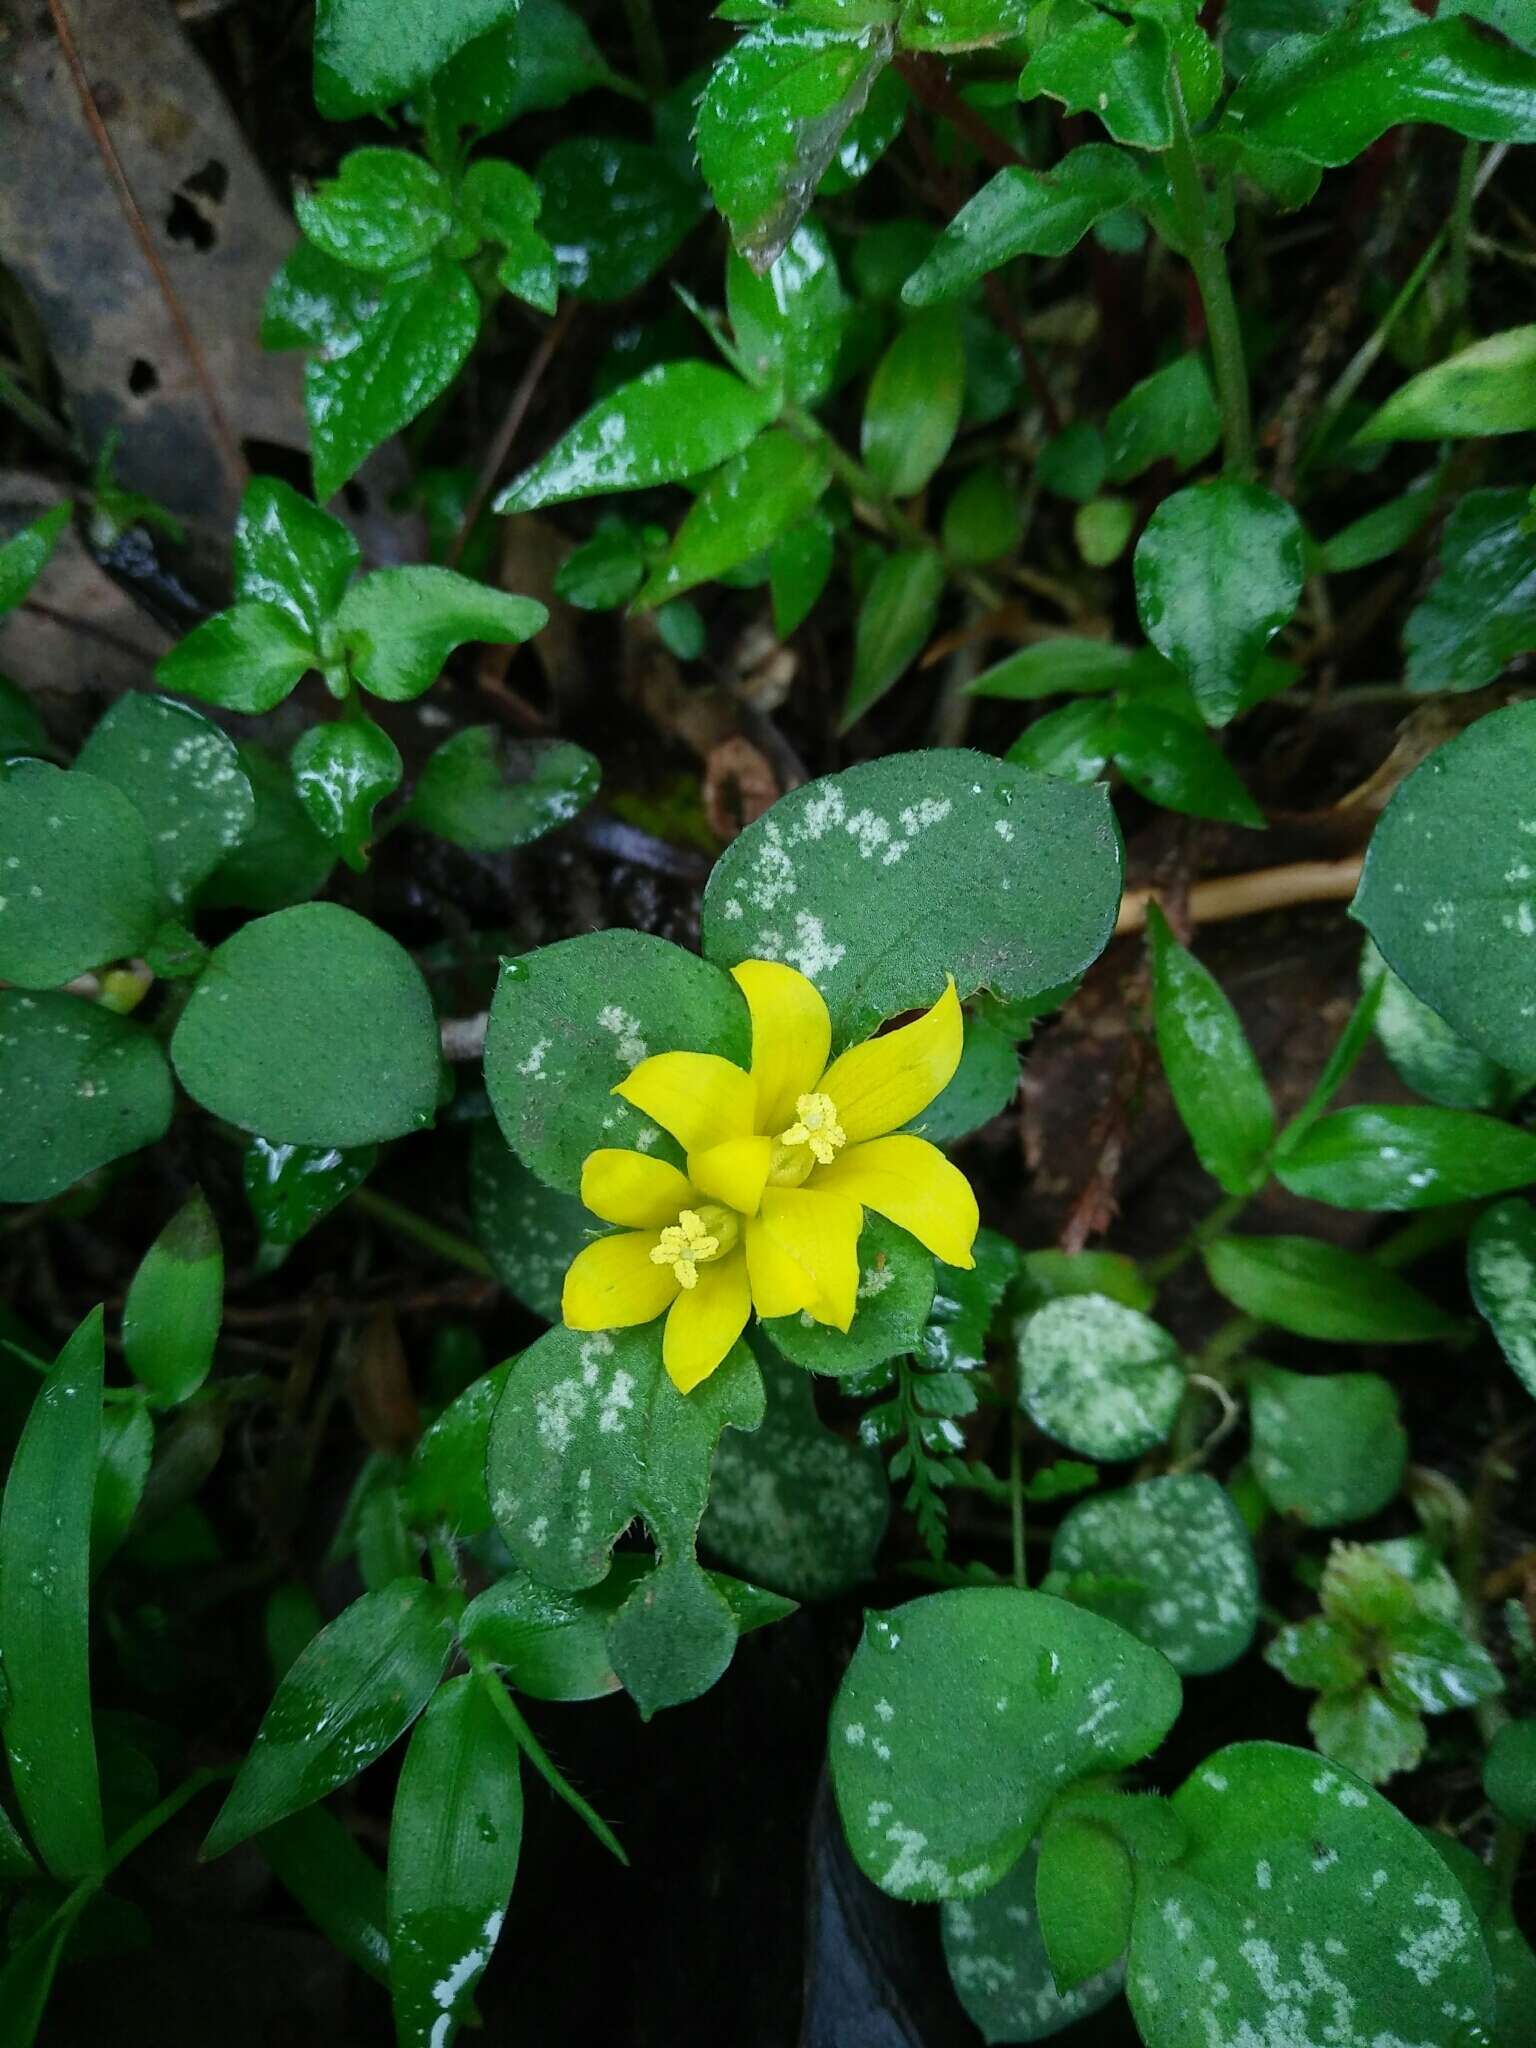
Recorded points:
811,1141
697,1236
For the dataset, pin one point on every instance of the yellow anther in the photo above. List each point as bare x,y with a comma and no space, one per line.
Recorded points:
818,1128
684,1246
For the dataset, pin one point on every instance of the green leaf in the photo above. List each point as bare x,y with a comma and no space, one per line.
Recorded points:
245,659
673,1637
613,212
795,1505
291,1187
896,618
1061,665
1413,1158
1217,1084
529,1232
1427,1054
895,1293
1322,1655
1101,529
348,1695
1449,886
1084,1887
912,409
789,322
605,571
445,1481
175,1304
1318,1290
1501,1271
1328,1448
965,1306
880,881
184,777
799,564
540,57
1480,611
744,508
77,879
1170,416
1097,63
1219,570
961,24
1000,1969
1509,1772
82,1087
399,626
673,422
25,555
21,727
982,520
1179,766
1380,533
487,792
571,1020
282,859
27,1978
312,1027
341,771
1182,1554
529,269
590,1432
371,53
983,1086
1489,388
498,200
412,341
1321,1860
337,1883
454,1836
384,210
1328,97
770,122
552,1646
127,1445
1100,1378
1431,1665
290,554
1045,1276
45,1531
1021,212
963,1714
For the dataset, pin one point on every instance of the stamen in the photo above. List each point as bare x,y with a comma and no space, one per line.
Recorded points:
818,1128
684,1246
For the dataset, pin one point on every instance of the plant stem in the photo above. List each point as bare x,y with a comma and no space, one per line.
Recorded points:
650,50
1225,896
1208,260
1211,1225
458,1251
1458,278
37,419
534,1750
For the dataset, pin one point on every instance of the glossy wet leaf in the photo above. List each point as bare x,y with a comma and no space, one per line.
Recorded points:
384,209
1117,70
81,1087
799,564
896,620
673,1637
963,1714
122,1469
999,1967
551,1645
45,1533
674,421
335,1880
795,1505
771,119
1169,1559
342,771
744,508
371,53
311,1027
539,56
291,1187
590,1432
1099,1377
1021,212
788,322
569,1022
282,859
614,211
454,1835
982,520
1501,1271
1427,1054
530,1232
1449,885
1179,766
1480,611
1218,1085
1514,1964
1170,415
25,555
399,626
1320,1290
1328,1448
1066,664
1412,1158
1489,388
248,658
1219,570
445,1479
349,1694
1509,1772
1329,97
1363,1933
1381,532
289,553
912,408
27,1977
77,878
881,880
175,1304
487,792
895,1293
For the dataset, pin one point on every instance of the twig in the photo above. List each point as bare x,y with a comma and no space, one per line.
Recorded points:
512,420
930,83
222,430
1227,896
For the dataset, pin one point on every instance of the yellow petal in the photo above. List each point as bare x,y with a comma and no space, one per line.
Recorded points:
780,1284
705,1321
629,1188
791,1038
912,1183
884,1083
697,1096
819,1233
612,1283
734,1173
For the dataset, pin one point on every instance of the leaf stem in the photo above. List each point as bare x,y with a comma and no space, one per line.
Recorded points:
1212,1224
650,50
1207,259
458,1251
536,1754
1458,271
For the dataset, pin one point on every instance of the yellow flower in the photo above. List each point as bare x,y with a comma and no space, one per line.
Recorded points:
782,1163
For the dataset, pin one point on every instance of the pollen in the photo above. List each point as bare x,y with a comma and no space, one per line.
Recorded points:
817,1127
684,1246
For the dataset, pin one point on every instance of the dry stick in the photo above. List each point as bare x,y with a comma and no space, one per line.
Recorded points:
1227,896
512,421
109,156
